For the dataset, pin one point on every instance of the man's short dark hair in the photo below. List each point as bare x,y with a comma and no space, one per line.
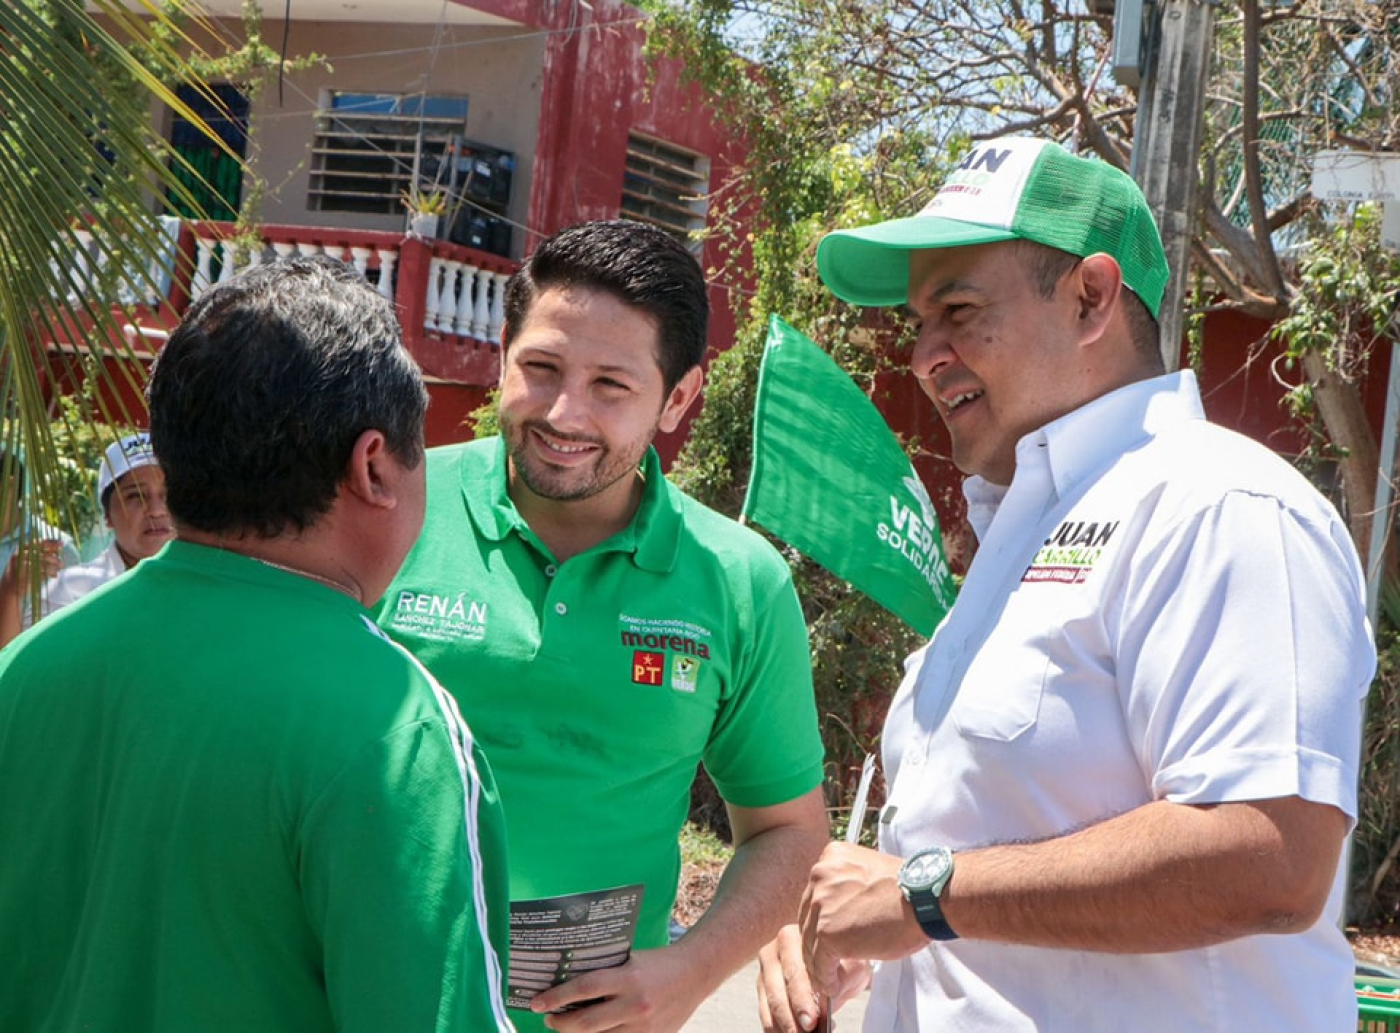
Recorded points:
640,265
1047,266
260,394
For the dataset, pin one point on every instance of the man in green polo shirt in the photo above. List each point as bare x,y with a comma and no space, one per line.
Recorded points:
604,634
227,801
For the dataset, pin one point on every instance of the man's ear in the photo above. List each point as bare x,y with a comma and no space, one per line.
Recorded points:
1098,281
370,475
681,398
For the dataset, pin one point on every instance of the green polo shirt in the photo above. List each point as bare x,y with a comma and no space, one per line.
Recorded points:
597,685
228,802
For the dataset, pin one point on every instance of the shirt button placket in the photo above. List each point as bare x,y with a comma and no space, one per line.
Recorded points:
555,589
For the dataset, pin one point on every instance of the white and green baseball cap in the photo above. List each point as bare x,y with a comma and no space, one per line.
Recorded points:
1014,188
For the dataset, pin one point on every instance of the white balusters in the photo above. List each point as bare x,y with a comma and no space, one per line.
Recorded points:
447,307
462,325
161,270
498,307
434,306
229,260
204,260
481,311
82,281
359,258
387,259
461,297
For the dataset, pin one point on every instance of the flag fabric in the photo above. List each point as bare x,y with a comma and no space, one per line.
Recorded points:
831,479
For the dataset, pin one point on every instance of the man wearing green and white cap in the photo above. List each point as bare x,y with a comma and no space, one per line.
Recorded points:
131,491
1122,771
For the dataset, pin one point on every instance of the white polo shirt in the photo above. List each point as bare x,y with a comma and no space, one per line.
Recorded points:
1160,609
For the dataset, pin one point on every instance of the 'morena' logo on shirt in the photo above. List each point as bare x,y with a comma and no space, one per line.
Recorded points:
674,643
665,651
1071,552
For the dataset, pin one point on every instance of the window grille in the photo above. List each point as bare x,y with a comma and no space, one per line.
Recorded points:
666,186
368,146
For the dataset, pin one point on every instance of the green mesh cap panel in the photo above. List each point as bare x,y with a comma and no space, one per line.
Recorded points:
1086,206
1079,205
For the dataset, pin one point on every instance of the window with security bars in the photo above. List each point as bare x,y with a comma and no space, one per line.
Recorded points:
666,186
368,146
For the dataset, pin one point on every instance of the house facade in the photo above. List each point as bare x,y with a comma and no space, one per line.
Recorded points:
521,116
525,116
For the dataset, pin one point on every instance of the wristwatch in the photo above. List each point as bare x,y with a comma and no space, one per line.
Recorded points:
922,877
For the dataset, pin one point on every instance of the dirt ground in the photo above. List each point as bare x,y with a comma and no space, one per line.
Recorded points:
697,889
1376,946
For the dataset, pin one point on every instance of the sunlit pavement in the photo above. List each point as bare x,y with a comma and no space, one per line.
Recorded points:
734,1008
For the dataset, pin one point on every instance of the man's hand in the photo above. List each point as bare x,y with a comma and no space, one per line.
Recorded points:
786,1001
659,989
649,994
854,909
35,563
38,561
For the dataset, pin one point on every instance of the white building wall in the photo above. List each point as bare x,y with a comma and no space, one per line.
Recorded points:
498,68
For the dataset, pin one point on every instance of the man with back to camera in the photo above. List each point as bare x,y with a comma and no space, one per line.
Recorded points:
229,802
604,633
1122,771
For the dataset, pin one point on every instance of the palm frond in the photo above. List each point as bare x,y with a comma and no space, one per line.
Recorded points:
80,168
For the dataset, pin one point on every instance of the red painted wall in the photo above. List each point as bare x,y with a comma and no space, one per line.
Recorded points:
598,89
1237,370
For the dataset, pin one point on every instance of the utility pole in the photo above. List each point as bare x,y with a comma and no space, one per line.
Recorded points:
1175,55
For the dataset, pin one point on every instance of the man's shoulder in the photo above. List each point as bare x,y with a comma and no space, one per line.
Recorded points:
735,545
462,462
1197,467
452,456
1206,461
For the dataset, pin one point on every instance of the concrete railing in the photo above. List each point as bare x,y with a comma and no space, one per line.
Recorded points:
450,298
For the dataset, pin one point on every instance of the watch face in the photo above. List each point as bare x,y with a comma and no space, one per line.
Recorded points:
926,868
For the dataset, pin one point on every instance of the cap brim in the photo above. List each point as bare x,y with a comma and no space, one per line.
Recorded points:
870,265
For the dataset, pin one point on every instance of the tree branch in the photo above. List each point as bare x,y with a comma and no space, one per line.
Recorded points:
1271,279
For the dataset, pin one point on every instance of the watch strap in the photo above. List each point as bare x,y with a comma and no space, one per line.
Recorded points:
923,895
929,913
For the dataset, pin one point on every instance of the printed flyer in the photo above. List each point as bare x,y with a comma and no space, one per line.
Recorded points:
555,938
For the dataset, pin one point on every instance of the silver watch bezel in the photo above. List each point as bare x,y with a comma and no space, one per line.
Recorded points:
928,869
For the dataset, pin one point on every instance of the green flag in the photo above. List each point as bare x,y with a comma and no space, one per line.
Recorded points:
830,479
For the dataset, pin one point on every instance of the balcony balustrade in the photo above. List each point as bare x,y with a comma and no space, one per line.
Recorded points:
449,298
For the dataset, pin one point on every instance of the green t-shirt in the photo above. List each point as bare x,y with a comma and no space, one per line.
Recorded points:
228,802
597,685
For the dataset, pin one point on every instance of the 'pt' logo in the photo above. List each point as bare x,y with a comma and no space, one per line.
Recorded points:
647,668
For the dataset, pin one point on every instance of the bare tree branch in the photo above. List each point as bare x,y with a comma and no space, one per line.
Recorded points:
1272,279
